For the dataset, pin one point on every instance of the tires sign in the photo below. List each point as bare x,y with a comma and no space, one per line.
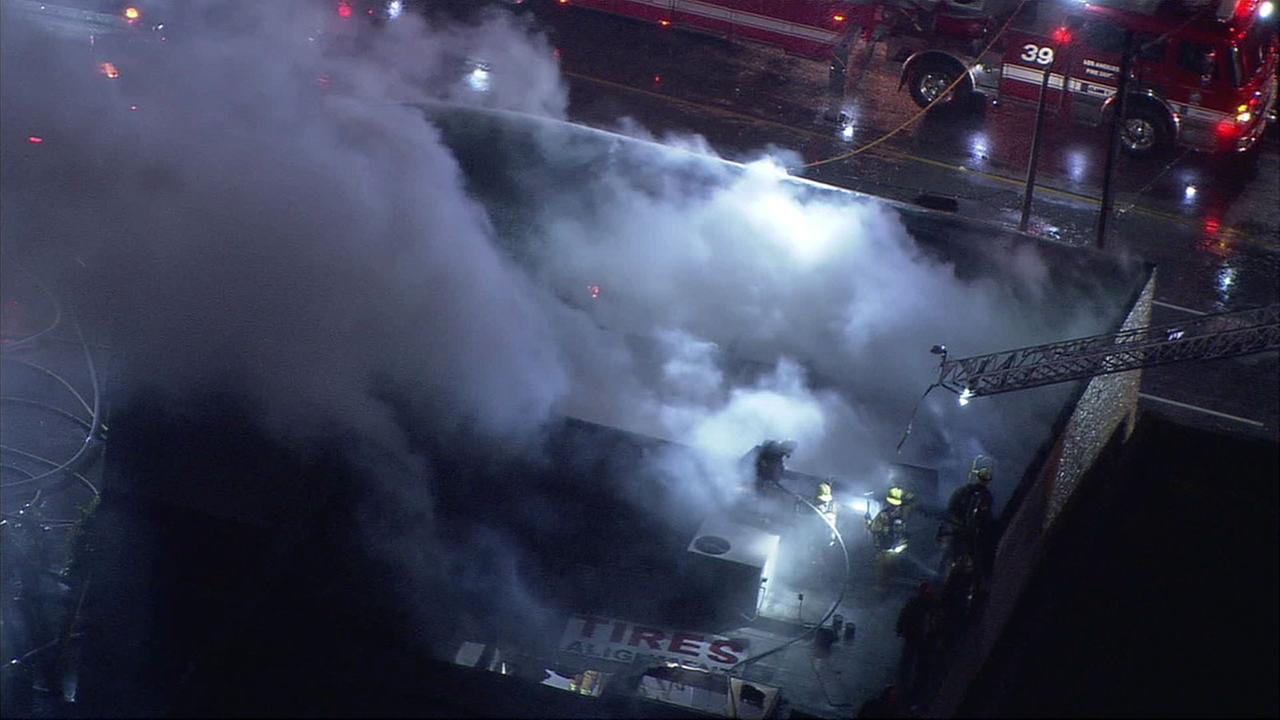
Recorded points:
619,641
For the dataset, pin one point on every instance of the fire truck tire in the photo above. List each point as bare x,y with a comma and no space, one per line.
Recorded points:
927,80
1145,131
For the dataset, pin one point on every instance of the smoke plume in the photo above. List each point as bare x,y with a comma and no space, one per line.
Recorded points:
257,213
260,213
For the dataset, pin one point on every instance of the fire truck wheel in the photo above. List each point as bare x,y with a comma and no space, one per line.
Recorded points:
930,78
1144,131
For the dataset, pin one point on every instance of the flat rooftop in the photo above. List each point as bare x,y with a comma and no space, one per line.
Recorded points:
597,522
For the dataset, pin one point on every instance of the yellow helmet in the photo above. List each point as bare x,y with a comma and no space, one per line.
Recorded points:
896,496
824,492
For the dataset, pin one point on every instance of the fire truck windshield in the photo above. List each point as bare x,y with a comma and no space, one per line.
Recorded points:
1253,50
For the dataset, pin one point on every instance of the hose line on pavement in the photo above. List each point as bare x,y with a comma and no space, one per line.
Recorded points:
919,114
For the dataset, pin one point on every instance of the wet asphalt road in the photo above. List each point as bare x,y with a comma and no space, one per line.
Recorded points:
1216,247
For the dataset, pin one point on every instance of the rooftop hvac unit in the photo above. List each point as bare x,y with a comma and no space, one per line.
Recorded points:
729,564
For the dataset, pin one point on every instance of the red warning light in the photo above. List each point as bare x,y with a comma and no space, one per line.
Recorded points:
594,291
838,18
344,10
664,22
1062,37
1214,240
35,139
657,79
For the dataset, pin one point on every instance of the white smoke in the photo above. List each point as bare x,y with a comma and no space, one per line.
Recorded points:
306,246
763,289
356,276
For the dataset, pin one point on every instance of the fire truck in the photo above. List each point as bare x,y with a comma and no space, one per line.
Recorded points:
809,28
1201,76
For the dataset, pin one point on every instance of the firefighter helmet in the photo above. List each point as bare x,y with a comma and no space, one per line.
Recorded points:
896,496
778,449
980,470
824,492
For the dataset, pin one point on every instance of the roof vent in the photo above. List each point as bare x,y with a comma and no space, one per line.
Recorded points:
712,545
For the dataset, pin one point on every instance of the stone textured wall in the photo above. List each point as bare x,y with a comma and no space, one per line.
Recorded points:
1106,401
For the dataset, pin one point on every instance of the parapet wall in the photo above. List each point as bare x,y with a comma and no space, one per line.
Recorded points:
1105,402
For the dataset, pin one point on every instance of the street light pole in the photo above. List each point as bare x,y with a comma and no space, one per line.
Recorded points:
1035,142
1113,136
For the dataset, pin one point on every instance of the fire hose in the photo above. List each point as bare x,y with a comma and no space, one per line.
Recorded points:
844,583
941,96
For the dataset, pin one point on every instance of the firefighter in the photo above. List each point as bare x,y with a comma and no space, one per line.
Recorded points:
819,536
917,625
884,705
901,499
837,76
826,502
889,525
967,533
770,462
771,503
968,519
824,499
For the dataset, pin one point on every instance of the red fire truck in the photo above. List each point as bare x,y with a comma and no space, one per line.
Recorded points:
1203,76
811,28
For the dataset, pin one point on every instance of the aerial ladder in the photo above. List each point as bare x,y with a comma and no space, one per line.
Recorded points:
1207,337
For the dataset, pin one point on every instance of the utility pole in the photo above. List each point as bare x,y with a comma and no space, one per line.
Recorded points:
1035,140
1113,137
838,76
